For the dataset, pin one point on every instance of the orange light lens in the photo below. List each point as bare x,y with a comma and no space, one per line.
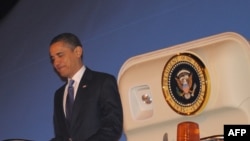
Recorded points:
188,131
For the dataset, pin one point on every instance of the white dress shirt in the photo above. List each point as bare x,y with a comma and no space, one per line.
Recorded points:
77,78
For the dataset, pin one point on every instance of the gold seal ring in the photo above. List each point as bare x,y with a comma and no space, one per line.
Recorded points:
185,84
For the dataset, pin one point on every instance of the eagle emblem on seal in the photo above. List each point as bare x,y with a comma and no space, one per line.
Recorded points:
184,80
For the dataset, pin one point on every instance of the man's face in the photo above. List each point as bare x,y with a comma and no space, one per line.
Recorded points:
65,60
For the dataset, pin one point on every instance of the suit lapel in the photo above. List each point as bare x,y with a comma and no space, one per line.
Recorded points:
81,94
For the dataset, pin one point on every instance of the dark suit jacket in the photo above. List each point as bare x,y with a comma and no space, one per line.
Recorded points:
97,111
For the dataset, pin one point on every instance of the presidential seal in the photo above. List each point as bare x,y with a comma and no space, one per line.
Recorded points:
185,84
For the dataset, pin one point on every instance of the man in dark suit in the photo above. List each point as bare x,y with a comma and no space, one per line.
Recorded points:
97,110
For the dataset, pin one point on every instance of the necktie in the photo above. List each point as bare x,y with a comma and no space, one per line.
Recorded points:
70,100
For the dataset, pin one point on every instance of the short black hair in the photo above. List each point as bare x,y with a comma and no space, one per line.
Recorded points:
69,38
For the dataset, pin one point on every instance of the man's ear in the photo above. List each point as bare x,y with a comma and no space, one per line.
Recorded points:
78,51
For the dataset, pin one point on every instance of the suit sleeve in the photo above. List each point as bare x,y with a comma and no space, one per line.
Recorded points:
111,112
61,134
